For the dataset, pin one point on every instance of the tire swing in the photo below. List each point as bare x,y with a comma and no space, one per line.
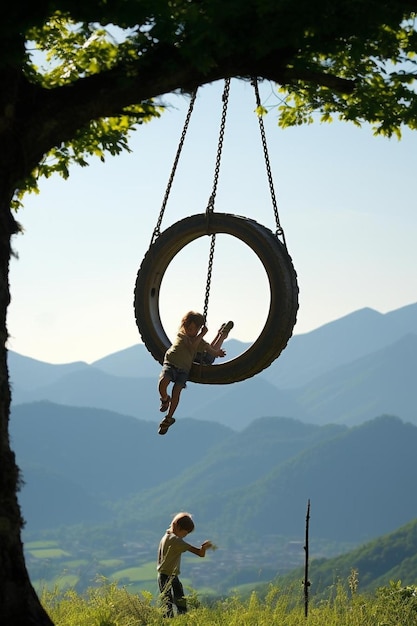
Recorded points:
268,247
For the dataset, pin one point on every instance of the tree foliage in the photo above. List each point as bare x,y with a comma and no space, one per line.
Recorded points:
350,60
384,73
59,53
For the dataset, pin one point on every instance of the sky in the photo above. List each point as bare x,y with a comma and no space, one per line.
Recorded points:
346,201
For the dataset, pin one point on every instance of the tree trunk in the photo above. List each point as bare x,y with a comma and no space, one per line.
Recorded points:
19,604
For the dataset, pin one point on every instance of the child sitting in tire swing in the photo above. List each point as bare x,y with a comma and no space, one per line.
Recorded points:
180,357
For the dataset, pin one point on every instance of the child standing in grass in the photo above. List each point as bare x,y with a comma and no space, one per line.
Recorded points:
171,546
179,359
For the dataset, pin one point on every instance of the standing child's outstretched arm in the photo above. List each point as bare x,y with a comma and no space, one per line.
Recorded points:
201,551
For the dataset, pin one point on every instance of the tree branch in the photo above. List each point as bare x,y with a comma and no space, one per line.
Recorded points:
64,110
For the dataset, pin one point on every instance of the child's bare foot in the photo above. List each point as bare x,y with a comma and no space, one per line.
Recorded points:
225,329
165,424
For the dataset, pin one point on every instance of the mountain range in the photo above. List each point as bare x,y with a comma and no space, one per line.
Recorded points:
346,372
91,466
340,431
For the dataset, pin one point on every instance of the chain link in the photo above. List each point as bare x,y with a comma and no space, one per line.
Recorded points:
279,231
211,201
157,229
209,271
210,205
225,98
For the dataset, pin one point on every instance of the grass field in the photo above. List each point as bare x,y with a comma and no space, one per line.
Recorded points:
110,605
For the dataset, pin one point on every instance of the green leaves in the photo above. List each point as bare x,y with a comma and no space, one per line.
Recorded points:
349,62
67,51
384,72
100,137
64,53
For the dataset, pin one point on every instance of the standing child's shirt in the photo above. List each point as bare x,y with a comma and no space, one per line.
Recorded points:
169,553
182,352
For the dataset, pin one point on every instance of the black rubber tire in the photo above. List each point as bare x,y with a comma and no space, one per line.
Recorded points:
282,280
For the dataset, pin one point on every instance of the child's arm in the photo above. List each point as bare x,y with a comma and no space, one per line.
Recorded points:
207,346
201,551
215,351
199,336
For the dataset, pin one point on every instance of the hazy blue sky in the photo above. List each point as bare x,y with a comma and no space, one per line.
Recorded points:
346,200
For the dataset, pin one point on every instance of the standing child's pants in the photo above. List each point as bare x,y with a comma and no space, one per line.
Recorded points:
172,592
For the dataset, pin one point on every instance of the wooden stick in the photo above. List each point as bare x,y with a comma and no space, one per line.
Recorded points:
306,582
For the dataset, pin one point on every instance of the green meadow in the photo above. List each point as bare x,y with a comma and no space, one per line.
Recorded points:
111,605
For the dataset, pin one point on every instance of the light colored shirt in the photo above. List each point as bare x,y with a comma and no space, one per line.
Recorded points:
182,352
169,554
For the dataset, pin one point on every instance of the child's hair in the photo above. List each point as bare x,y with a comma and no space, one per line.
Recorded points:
184,521
191,317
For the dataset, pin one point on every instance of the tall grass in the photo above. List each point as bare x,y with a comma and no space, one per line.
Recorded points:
110,605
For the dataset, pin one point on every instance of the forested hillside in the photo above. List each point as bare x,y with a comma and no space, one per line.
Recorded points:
97,469
392,557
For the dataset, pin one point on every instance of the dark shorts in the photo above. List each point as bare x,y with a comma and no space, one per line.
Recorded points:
174,374
204,358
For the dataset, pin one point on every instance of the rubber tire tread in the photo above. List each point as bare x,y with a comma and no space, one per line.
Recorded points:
282,278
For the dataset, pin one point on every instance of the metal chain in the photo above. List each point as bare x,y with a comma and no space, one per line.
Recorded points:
225,98
209,271
157,229
210,205
279,231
